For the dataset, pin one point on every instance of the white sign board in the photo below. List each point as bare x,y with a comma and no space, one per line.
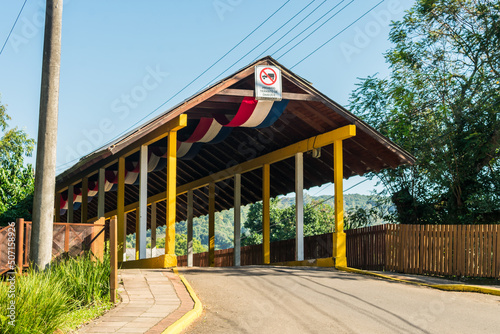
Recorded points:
267,83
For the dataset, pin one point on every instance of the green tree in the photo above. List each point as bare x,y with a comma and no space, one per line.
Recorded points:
441,103
16,178
318,219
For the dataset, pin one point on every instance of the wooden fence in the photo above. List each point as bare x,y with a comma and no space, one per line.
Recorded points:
317,246
71,239
446,250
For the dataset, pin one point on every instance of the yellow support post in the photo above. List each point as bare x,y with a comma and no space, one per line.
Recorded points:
339,238
113,241
120,210
266,215
85,200
57,208
211,224
171,194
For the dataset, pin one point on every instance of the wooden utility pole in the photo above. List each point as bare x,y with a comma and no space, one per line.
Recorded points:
45,170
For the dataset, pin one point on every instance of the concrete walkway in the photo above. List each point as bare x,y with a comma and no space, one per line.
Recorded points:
150,297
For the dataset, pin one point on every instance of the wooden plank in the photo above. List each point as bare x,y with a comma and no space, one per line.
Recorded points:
388,248
455,249
420,250
463,258
448,255
489,242
66,238
477,255
470,251
493,251
435,249
484,249
19,246
442,253
497,251
285,95
415,237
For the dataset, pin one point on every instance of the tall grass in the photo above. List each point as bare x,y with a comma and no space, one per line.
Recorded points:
60,297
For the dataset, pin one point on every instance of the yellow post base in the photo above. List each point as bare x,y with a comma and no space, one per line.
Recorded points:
163,261
326,262
339,246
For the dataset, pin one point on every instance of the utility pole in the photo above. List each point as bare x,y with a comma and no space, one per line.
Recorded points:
45,169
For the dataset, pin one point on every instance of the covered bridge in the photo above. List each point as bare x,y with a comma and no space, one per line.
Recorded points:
219,149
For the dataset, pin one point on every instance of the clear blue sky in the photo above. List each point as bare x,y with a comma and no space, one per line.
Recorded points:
110,47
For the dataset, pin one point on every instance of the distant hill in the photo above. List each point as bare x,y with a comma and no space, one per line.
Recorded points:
224,220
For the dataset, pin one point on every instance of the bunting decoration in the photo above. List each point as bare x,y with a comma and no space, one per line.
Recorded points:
251,113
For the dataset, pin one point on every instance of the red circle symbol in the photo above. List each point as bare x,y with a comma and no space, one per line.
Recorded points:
268,76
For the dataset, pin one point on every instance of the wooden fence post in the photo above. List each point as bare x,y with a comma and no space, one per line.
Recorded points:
66,238
19,244
113,241
97,246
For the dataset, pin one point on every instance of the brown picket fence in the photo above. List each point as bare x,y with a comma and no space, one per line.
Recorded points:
445,250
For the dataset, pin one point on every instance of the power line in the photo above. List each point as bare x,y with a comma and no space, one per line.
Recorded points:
191,82
322,24
328,41
10,32
309,26
255,47
289,31
329,198
205,71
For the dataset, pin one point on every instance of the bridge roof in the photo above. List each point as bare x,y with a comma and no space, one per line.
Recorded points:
308,113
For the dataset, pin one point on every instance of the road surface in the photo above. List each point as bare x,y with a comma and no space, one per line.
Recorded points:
307,300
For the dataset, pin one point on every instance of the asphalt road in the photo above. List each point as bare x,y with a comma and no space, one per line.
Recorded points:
304,300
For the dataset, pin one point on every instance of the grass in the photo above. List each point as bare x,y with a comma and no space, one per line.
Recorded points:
71,292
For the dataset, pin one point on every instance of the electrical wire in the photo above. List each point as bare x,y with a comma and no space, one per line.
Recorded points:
328,41
190,83
307,28
202,73
13,26
322,24
289,31
260,43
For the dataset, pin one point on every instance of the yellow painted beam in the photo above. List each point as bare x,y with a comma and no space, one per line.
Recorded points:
270,158
211,224
339,237
120,208
85,199
127,147
171,194
172,126
278,155
266,213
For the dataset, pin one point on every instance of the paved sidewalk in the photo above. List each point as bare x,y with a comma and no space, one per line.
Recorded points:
148,298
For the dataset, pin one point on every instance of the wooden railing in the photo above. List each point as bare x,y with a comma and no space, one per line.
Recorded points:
446,250
68,238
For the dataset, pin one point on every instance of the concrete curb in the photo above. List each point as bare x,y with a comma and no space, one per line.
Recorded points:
188,318
444,287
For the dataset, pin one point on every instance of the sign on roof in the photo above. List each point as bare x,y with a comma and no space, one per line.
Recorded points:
267,83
